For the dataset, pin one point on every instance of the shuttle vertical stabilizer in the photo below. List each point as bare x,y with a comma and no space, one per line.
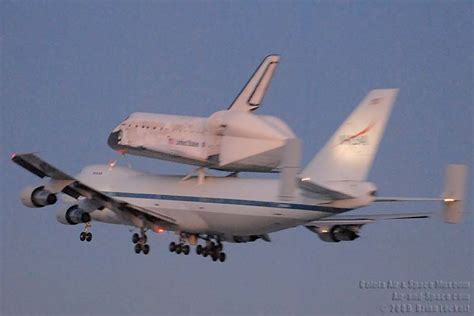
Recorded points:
251,96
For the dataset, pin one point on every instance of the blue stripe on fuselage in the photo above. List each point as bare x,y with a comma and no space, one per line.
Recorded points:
183,198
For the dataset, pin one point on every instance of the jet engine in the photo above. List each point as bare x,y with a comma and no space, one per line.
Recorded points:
336,233
37,197
343,233
72,215
245,239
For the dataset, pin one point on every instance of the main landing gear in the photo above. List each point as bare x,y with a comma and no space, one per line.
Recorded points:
211,249
86,234
179,248
140,242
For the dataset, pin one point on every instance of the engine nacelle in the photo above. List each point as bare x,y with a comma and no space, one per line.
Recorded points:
245,239
37,197
336,233
343,233
72,215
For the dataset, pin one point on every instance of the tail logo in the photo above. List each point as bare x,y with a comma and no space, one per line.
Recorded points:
359,138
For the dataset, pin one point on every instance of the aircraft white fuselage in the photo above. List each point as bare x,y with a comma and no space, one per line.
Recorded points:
224,206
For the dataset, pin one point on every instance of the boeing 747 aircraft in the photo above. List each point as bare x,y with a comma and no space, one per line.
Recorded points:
215,210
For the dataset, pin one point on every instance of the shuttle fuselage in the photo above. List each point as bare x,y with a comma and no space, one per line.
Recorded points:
227,140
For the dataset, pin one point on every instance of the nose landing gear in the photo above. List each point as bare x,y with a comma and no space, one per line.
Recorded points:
86,234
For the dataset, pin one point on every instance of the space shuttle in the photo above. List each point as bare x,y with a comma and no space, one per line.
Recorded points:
236,139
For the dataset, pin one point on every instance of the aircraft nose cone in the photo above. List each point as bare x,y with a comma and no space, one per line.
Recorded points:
114,139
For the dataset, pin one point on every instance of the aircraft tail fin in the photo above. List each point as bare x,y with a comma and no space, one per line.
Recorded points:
454,193
349,153
251,96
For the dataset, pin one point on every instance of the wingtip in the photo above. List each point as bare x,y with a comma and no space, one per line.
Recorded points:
17,155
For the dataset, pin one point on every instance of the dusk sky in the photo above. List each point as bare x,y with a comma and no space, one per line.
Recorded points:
71,71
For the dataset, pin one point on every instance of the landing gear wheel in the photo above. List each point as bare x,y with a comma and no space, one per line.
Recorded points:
82,236
88,237
179,248
205,252
172,247
214,257
186,250
199,249
146,249
222,257
135,238
138,248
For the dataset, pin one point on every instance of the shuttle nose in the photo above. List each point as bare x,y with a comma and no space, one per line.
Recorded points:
114,139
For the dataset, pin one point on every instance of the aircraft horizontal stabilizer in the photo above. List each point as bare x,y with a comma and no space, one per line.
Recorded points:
452,198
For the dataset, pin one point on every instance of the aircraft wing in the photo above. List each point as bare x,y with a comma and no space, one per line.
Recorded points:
338,228
407,199
359,220
62,182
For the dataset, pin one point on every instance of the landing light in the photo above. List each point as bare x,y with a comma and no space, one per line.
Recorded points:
159,230
449,200
306,179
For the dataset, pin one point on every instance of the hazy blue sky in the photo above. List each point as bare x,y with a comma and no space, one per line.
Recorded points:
71,71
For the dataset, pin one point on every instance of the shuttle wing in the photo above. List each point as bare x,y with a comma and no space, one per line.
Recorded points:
62,182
